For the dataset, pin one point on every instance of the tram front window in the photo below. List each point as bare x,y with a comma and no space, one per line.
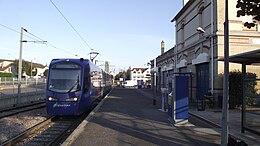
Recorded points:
64,77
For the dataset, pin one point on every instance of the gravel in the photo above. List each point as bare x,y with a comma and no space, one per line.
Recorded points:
14,125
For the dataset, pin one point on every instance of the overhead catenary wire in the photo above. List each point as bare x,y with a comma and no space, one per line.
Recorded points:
70,24
49,44
37,40
17,32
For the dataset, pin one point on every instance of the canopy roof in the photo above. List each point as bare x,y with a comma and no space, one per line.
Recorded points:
248,58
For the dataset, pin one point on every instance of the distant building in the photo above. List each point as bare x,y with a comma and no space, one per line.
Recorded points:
200,42
41,70
143,74
6,66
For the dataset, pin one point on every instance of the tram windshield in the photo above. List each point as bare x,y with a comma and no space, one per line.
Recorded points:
64,77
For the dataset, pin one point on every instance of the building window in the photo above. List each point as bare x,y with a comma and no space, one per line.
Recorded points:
183,70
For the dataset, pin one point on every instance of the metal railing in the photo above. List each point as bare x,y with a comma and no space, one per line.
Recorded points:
32,90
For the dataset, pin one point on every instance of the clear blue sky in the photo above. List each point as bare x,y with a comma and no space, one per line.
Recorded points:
124,32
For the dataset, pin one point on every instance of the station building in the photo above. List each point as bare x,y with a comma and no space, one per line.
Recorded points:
199,37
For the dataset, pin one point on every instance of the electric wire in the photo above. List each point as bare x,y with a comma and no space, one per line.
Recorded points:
70,24
17,32
38,39
35,36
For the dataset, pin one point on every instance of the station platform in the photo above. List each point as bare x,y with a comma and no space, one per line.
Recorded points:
128,117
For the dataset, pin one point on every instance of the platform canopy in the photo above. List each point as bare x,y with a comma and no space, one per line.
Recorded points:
248,58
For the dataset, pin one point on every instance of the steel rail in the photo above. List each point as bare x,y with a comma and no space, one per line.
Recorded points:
20,109
28,132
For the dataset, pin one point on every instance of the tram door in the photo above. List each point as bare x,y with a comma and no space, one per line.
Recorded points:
202,75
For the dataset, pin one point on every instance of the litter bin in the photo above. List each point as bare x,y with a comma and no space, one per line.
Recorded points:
201,104
233,141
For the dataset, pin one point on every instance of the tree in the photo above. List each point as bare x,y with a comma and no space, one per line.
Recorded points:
26,66
124,74
128,73
235,88
249,8
46,73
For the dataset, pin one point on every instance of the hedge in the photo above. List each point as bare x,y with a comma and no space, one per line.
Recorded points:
4,74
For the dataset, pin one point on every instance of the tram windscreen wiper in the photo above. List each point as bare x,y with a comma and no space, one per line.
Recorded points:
74,85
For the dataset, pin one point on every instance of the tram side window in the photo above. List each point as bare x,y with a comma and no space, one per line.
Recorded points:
86,79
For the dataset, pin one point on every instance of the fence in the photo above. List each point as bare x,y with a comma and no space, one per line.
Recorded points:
32,90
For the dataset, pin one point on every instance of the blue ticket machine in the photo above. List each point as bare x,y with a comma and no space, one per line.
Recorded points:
180,100
139,84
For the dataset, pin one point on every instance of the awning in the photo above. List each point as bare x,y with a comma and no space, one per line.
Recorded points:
247,58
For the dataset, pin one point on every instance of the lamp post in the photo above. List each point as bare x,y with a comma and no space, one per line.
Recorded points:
154,80
201,30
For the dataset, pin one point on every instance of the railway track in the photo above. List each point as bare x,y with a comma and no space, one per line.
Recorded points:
52,131
48,132
20,109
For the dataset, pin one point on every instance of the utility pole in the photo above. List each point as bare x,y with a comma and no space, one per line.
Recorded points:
31,68
20,66
93,57
154,76
225,115
20,63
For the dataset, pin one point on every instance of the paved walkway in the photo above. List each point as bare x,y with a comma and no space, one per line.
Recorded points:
127,117
214,117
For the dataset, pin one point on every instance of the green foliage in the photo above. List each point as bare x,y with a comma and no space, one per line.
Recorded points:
125,74
3,74
128,74
250,8
46,73
120,75
235,88
26,67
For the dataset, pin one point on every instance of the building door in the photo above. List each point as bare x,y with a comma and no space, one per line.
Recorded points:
202,75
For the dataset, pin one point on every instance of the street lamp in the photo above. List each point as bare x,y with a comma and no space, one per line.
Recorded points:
201,30
154,80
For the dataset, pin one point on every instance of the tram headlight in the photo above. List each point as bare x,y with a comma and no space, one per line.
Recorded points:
75,99
50,99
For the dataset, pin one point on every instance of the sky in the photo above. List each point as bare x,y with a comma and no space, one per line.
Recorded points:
126,33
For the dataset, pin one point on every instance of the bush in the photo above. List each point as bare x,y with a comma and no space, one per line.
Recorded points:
235,88
4,74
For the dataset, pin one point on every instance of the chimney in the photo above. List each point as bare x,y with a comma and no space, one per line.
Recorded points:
162,47
184,2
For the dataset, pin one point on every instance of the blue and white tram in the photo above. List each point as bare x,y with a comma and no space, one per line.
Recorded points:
73,85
